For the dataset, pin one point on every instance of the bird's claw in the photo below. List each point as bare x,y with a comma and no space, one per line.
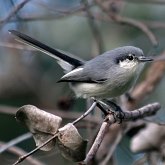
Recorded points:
118,116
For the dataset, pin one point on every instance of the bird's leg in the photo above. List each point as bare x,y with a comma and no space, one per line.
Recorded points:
100,106
102,109
114,106
117,111
111,107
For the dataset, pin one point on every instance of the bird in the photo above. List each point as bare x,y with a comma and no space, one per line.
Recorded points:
108,75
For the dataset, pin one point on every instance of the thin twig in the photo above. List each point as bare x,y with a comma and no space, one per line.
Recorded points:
15,141
57,14
79,10
66,12
35,150
17,151
128,21
96,16
94,28
139,25
14,10
86,113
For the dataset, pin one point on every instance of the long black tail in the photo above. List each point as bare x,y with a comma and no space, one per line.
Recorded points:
46,49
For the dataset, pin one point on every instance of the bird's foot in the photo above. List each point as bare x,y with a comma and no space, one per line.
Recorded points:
119,116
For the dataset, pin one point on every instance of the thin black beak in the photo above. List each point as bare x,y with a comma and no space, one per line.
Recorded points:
145,59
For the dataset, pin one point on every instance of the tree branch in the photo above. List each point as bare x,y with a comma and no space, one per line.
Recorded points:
15,141
17,151
35,150
14,10
147,110
86,113
128,21
94,28
104,127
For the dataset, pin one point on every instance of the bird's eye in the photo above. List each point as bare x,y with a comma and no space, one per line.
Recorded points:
130,57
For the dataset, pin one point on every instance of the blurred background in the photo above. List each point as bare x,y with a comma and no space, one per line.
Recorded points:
85,29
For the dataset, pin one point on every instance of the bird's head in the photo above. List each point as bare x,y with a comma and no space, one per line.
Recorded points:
129,57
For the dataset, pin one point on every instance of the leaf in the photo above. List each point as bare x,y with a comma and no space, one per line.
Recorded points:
41,124
71,144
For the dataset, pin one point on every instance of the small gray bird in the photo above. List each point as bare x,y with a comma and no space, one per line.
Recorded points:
108,75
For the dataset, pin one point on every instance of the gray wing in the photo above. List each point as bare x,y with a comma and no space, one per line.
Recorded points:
93,71
78,75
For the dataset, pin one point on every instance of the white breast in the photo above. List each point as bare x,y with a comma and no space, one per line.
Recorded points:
86,89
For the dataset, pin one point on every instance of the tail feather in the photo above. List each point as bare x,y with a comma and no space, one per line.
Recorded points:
48,50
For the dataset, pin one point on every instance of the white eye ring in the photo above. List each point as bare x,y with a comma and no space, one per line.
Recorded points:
130,57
